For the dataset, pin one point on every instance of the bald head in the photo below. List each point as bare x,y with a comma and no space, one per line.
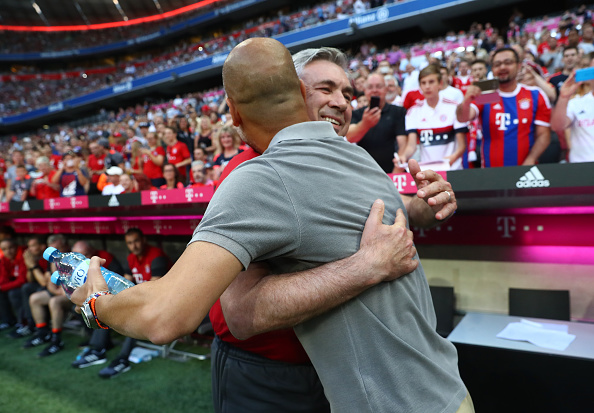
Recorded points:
262,86
83,248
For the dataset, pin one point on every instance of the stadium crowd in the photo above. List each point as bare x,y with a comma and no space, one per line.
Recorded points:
29,87
131,149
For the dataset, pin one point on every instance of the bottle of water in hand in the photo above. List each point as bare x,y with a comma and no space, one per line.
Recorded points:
72,272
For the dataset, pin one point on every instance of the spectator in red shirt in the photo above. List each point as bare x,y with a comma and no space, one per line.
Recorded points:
153,158
37,276
199,179
463,79
43,187
172,178
178,154
128,183
96,163
13,275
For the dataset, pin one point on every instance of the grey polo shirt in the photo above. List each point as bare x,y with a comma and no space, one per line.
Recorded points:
303,203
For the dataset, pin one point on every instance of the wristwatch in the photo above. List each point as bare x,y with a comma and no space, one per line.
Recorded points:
88,311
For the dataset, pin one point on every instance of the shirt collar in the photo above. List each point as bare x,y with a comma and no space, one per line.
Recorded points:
510,94
304,130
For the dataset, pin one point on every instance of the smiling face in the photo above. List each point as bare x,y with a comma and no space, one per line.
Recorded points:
376,86
505,67
329,94
226,140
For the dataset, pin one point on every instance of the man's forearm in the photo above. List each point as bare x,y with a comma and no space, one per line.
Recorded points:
559,119
542,141
356,132
254,304
463,111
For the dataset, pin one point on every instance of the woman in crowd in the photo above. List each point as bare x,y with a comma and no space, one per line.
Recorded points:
172,178
136,159
227,143
184,134
204,136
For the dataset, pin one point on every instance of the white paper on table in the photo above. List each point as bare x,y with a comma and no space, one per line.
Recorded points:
551,336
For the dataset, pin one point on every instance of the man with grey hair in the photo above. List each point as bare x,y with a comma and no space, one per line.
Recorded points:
277,187
379,129
43,187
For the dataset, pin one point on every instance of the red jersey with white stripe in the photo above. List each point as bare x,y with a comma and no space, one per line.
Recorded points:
411,98
281,345
462,82
176,154
509,125
149,168
96,164
436,130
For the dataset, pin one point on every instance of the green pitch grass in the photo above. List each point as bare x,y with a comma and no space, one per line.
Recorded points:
50,385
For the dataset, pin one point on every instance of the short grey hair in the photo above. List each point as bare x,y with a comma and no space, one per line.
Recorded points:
330,54
56,238
387,78
42,159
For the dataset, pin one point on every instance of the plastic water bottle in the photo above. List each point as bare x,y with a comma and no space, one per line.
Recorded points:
72,271
56,280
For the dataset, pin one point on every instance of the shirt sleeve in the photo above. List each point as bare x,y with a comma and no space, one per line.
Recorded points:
185,151
409,120
357,116
159,266
251,215
543,111
401,121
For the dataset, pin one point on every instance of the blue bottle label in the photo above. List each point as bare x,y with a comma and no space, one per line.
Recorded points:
79,275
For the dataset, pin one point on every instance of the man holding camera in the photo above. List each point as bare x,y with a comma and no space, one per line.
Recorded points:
73,180
379,127
516,128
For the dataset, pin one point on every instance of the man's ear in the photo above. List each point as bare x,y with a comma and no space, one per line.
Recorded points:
303,89
234,113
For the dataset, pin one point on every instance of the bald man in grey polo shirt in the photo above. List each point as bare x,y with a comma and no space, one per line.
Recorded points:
378,352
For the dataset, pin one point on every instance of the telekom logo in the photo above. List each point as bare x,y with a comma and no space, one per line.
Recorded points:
154,195
503,120
507,225
52,203
399,181
189,194
426,136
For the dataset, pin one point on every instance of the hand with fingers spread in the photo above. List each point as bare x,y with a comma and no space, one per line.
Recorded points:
95,282
388,249
435,200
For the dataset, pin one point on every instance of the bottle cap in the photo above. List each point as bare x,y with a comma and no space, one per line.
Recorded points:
48,252
56,278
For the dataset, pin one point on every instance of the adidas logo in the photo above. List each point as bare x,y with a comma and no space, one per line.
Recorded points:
113,201
533,179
